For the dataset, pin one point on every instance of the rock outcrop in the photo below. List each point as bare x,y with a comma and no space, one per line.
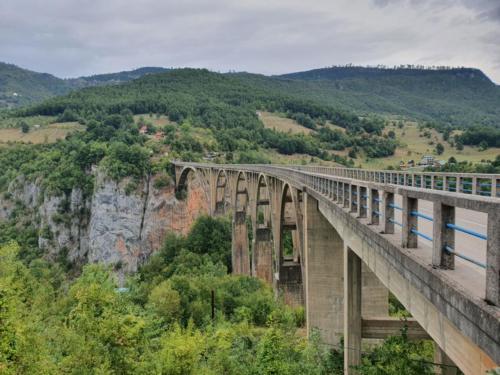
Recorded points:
113,225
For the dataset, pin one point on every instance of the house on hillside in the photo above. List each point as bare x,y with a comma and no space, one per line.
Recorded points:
143,129
427,160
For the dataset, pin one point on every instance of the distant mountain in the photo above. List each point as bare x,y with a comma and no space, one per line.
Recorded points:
20,87
463,96
113,78
459,96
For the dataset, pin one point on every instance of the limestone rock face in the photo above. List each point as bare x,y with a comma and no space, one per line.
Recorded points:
114,225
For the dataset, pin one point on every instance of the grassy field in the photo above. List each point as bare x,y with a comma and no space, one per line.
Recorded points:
155,120
12,122
282,123
45,134
413,145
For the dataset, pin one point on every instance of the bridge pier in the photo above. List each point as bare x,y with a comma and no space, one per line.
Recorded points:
323,250
263,255
352,310
240,249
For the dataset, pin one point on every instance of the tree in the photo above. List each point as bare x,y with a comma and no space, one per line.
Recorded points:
483,145
391,134
459,145
439,148
25,128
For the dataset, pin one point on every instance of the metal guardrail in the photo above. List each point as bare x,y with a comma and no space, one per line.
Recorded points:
472,183
374,201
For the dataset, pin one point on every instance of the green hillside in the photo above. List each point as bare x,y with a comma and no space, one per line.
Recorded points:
461,96
21,87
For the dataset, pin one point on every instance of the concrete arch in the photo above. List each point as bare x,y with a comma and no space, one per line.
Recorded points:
263,239
222,193
287,257
241,251
182,179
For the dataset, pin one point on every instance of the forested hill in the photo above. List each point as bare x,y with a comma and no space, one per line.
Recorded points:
20,87
461,96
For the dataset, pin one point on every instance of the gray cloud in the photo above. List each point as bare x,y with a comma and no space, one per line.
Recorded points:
80,37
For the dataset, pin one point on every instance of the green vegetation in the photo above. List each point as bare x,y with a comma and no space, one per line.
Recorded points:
162,321
456,96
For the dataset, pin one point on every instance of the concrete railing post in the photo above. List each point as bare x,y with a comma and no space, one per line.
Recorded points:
493,258
346,194
352,311
474,185
388,212
354,198
422,181
373,206
458,184
494,187
443,236
362,201
409,222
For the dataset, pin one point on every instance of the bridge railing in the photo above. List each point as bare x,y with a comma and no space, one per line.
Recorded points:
468,183
376,203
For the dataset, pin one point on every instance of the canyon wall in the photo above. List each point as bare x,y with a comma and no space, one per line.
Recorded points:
113,225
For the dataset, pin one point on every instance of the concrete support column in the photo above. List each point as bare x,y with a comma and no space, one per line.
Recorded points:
324,253
240,249
388,212
493,259
352,311
443,236
263,255
409,222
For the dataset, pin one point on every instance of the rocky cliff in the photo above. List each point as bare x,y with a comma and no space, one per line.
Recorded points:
114,225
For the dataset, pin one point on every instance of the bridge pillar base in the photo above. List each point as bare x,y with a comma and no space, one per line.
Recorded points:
263,255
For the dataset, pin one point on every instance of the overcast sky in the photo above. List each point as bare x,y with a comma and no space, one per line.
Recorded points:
71,38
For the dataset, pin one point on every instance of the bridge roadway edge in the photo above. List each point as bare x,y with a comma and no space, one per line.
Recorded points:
450,302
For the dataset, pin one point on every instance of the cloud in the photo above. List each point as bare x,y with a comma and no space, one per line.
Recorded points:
80,37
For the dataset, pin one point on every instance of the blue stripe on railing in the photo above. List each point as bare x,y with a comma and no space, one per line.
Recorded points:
354,203
365,196
413,230
423,216
465,230
452,251
365,207
377,200
396,222
375,212
395,206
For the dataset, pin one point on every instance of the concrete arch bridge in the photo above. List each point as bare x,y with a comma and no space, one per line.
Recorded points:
339,240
